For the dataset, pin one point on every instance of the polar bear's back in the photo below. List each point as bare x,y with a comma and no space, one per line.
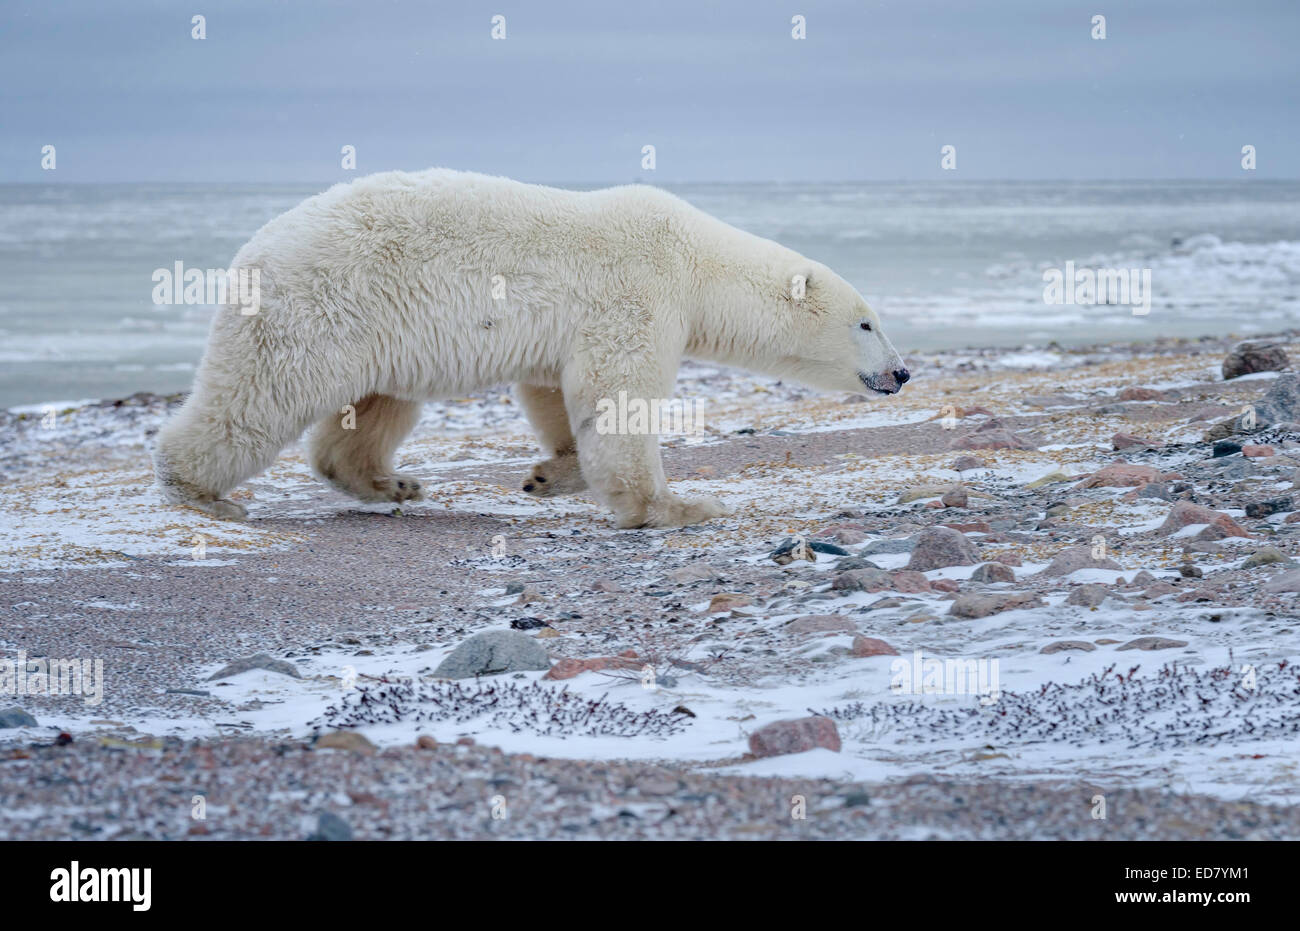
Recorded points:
441,217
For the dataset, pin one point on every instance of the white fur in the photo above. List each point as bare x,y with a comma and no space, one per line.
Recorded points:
379,294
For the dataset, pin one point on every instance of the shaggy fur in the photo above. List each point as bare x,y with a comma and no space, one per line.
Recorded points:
401,288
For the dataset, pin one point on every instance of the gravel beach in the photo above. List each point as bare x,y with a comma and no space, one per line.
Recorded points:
1061,517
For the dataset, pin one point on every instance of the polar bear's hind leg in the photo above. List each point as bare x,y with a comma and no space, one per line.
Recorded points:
354,451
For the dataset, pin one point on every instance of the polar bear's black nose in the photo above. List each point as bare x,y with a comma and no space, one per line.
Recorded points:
902,375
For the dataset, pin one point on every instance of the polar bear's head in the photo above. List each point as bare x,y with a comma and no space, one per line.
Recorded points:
837,343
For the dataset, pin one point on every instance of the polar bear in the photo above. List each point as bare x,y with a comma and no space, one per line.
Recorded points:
399,288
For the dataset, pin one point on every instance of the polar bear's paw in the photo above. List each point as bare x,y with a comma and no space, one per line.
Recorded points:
559,476
396,487
224,508
672,511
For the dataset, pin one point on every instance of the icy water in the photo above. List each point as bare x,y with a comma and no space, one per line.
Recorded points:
946,264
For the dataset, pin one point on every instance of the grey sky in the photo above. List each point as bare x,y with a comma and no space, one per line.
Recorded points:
720,88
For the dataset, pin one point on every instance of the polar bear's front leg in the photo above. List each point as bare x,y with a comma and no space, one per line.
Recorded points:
622,466
559,475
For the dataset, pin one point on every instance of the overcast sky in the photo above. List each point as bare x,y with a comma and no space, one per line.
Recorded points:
719,87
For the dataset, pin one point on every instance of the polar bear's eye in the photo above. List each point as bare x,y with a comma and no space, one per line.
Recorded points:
866,326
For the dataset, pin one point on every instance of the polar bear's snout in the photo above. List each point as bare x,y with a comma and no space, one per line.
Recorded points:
886,382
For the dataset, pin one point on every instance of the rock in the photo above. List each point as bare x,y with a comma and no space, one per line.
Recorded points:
605,585
425,742
794,736
1123,475
1225,448
1157,490
1057,510
1141,394
989,572
567,668
940,547
975,526
850,537
1063,645
791,549
1088,596
1280,403
820,624
1188,571
1185,514
330,827
909,582
863,580
990,435
1251,451
1288,581
257,661
351,741
1264,556
870,646
1152,643
855,562
492,653
1143,578
1049,479
1208,412
1254,356
1232,468
1128,440
1073,558
954,497
694,572
966,463
945,585
16,717
916,493
1272,506
728,601
887,547
528,596
971,606
1007,558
